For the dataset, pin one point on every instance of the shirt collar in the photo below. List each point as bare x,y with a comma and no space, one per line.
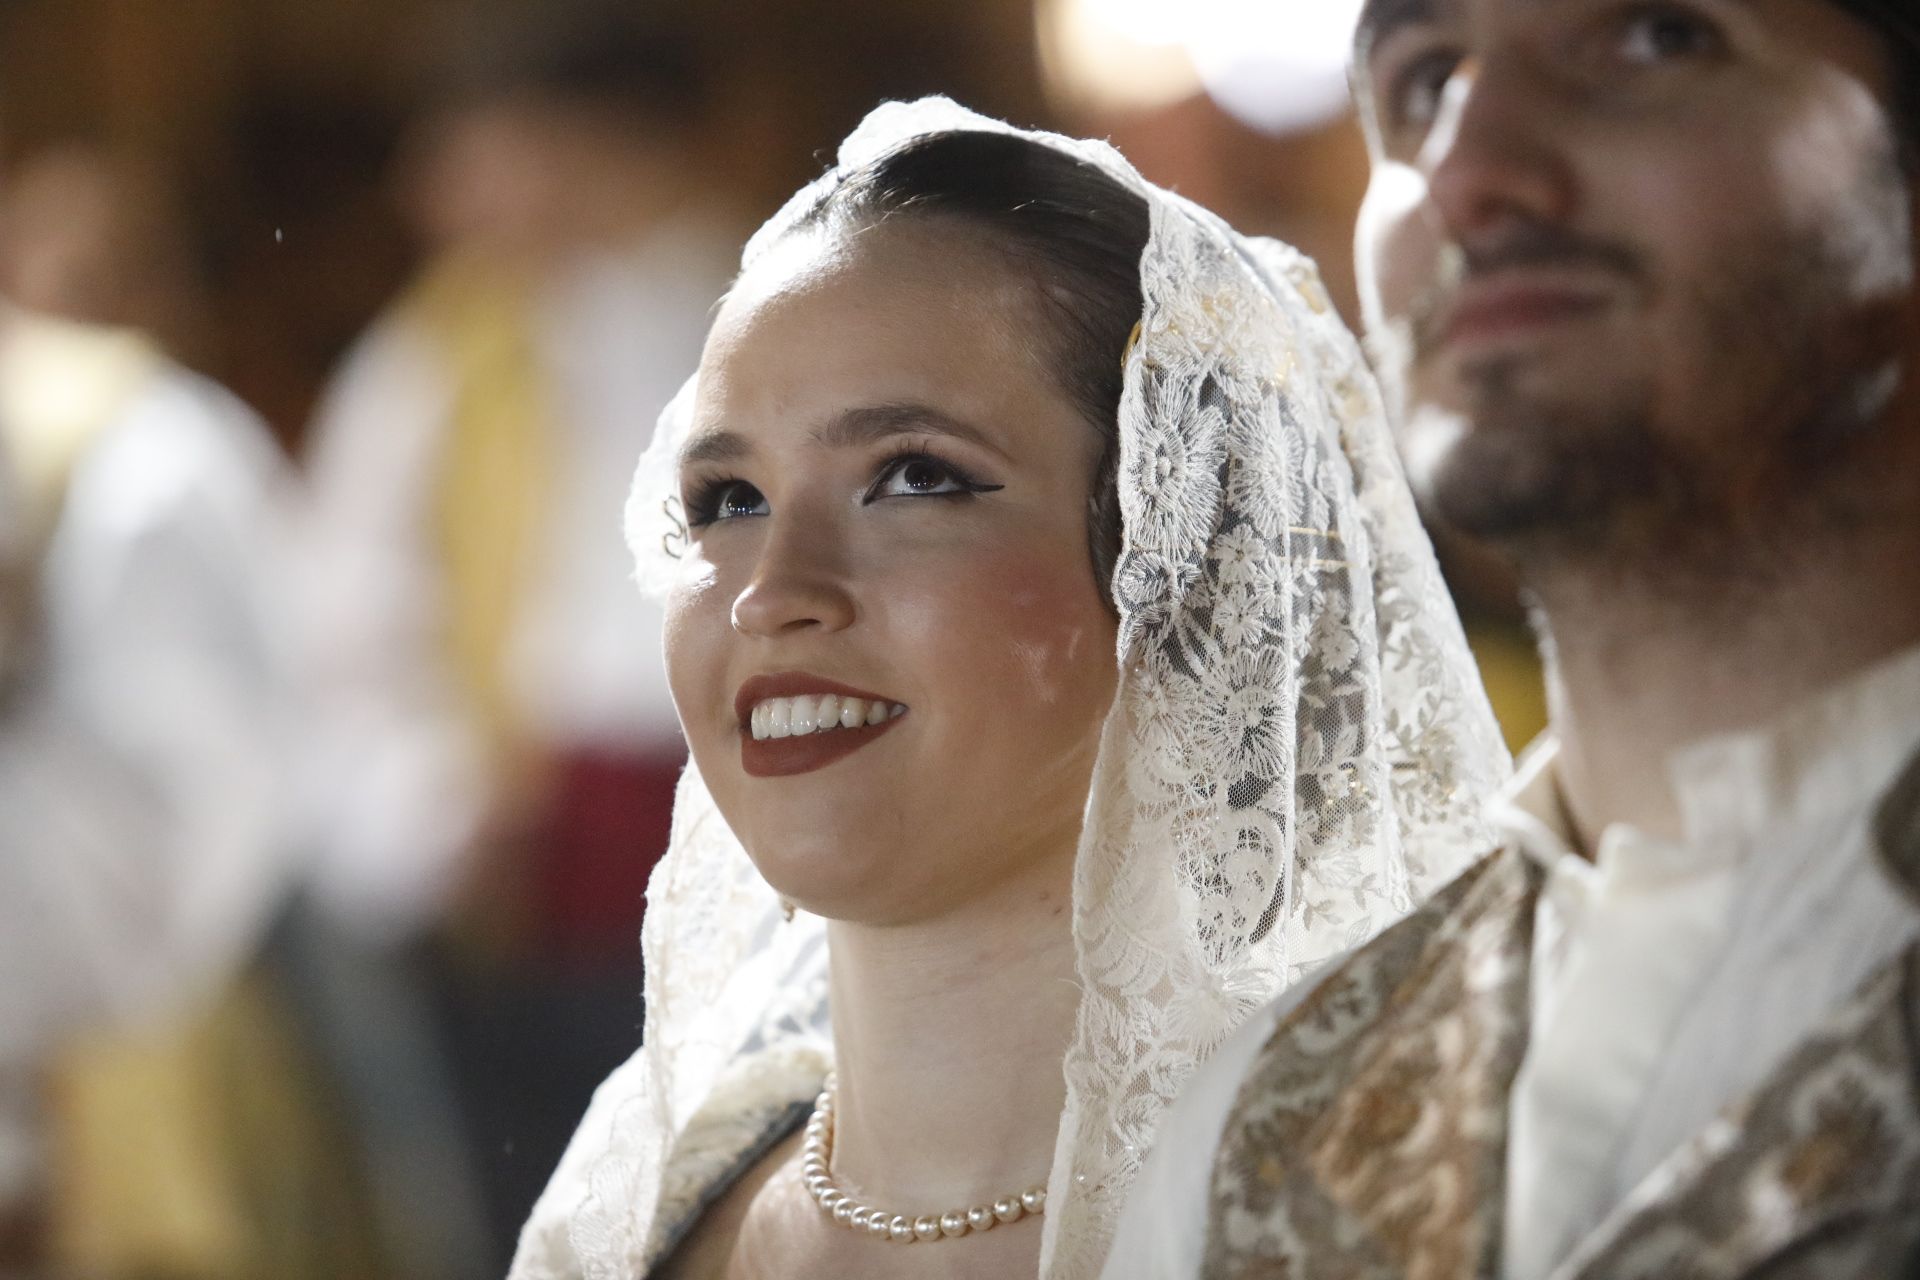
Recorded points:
1529,812
1835,752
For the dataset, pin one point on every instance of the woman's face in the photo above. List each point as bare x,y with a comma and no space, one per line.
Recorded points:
887,495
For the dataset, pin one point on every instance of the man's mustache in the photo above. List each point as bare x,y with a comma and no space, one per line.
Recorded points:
1532,245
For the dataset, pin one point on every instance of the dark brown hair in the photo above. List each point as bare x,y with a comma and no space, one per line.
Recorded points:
1076,228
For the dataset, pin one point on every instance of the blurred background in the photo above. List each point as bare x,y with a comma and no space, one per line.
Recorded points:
334,752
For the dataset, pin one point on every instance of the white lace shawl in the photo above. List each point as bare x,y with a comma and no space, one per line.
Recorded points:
1300,747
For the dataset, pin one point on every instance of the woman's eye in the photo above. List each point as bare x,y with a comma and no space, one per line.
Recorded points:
921,476
725,500
1416,91
1658,34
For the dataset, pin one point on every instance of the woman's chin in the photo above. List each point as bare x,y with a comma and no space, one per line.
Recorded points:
841,882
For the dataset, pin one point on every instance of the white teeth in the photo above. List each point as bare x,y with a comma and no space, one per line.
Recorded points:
817,713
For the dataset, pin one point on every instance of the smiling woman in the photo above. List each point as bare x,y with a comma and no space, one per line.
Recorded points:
1050,622
890,525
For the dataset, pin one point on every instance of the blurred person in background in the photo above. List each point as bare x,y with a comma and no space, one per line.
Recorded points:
143,844
495,750
100,237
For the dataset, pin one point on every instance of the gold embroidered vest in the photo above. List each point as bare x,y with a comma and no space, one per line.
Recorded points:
1369,1141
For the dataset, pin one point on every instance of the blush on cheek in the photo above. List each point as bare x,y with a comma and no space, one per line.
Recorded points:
1053,631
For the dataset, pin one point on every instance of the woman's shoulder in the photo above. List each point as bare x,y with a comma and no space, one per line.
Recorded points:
628,1194
706,1242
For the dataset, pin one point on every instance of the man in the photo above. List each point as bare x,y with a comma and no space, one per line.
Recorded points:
1643,281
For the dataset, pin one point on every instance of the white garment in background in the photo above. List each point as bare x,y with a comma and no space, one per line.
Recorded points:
15,554
1668,979
142,812
398,782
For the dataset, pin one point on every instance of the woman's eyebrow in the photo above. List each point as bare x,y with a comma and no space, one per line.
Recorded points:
851,428
715,446
869,423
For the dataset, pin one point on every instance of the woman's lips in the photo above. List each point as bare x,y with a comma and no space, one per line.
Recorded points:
794,722
784,757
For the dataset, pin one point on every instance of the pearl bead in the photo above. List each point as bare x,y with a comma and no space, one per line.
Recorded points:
816,1155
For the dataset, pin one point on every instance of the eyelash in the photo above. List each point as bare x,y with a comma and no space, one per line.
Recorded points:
706,500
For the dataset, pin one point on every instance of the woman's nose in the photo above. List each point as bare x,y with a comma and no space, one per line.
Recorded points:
798,583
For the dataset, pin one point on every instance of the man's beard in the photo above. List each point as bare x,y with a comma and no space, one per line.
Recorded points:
1783,371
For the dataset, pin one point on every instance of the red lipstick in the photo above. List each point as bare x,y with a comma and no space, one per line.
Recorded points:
784,757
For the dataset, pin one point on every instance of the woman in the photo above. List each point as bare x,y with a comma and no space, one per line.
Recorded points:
1051,625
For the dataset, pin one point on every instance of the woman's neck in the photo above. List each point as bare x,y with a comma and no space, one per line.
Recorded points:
949,1036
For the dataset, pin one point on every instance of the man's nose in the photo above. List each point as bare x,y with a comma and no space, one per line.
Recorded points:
1495,157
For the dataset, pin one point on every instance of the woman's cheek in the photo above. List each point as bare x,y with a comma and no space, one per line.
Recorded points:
1030,634
696,633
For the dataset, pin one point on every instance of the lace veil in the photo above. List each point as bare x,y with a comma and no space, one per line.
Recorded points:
1299,748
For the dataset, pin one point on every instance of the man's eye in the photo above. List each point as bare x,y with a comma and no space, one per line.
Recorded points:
724,500
1416,91
1657,34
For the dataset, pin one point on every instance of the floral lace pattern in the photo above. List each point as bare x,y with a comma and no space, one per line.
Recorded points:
1298,751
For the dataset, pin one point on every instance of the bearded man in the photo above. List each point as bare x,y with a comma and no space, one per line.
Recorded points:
1642,280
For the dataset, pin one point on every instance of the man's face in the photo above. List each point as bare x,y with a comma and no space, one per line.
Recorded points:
1630,265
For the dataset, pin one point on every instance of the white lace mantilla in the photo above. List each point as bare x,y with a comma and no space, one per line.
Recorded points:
1299,749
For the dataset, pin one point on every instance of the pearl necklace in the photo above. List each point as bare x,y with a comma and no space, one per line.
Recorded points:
817,1151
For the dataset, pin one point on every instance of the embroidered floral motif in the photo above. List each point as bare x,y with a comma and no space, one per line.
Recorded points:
1369,1141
